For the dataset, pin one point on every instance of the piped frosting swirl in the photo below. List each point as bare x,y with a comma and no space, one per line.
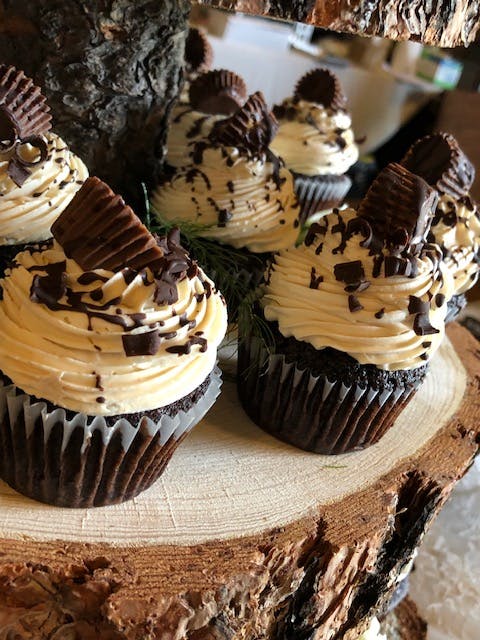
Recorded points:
109,342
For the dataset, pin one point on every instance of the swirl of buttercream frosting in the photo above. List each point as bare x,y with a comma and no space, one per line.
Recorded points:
373,322
313,140
28,212
79,349
242,202
456,229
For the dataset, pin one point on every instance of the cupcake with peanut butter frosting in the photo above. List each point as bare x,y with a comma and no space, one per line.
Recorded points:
210,98
39,175
316,141
439,160
108,355
236,191
356,313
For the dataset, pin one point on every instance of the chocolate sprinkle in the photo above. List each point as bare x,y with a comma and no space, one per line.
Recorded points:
422,326
315,280
354,304
380,313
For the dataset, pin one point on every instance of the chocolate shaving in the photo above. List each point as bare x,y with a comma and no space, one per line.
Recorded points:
322,87
315,280
218,92
422,326
417,305
439,160
354,304
251,129
141,344
51,287
315,230
349,272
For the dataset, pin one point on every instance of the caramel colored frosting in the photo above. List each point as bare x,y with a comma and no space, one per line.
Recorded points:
456,228
313,140
332,292
103,342
242,201
187,127
27,212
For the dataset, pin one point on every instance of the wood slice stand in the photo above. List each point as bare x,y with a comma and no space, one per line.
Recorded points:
244,536
432,23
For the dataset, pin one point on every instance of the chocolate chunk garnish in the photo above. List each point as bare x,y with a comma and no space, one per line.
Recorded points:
417,305
315,280
422,326
354,304
399,200
48,289
219,92
198,52
321,86
251,128
99,231
349,272
23,103
141,344
165,292
439,160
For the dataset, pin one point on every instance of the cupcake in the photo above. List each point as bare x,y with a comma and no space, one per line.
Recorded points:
439,160
316,141
355,314
236,192
107,358
212,97
39,175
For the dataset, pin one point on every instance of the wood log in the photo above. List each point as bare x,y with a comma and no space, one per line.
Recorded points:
436,23
404,623
244,536
110,71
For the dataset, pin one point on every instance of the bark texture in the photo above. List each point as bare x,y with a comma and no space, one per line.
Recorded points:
444,23
110,70
323,576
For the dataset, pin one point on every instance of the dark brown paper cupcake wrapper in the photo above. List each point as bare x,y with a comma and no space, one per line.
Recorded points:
316,193
84,462
313,412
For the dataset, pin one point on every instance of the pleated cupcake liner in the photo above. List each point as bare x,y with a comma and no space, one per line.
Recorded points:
83,462
313,412
317,193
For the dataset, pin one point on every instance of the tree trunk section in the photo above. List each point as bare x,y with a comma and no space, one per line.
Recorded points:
110,70
245,537
444,24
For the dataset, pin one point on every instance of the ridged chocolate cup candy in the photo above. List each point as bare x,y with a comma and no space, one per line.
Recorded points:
252,128
317,193
321,86
314,411
24,103
198,52
219,92
439,160
72,460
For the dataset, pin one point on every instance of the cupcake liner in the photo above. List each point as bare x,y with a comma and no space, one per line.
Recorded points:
312,412
316,193
83,462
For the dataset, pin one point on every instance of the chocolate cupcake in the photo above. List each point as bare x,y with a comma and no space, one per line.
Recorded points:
39,175
108,352
236,192
316,141
439,160
356,313
210,98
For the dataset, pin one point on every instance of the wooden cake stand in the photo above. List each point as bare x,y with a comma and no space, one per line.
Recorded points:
245,536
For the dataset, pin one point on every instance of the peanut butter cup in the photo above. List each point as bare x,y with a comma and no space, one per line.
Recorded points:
219,92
